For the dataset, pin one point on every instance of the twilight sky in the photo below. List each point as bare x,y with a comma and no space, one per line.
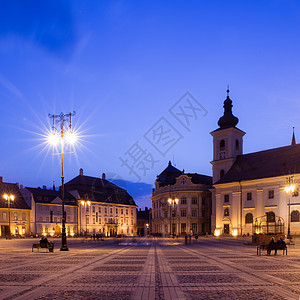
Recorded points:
147,80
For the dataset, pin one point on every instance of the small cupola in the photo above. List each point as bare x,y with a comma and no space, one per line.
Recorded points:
228,119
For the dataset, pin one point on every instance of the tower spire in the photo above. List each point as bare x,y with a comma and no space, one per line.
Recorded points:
293,138
228,119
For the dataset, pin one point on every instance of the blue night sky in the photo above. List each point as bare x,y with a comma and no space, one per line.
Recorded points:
124,67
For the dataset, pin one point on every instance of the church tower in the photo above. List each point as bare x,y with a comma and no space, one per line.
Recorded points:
227,141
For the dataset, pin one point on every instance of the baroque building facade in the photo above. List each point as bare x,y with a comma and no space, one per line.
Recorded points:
255,192
181,203
103,207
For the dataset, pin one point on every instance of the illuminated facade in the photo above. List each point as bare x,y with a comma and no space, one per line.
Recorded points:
14,212
249,188
181,203
46,211
103,207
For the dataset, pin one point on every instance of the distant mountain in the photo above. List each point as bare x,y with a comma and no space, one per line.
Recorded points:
140,191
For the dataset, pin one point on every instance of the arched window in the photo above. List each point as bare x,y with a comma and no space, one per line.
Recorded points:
222,145
226,212
222,172
237,144
295,216
270,216
249,218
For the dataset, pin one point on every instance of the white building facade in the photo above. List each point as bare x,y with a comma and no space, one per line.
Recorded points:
250,192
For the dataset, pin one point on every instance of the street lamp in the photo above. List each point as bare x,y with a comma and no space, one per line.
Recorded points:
85,204
9,198
58,135
172,203
290,188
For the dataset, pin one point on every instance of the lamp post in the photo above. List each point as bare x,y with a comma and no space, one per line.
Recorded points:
172,203
85,204
289,189
9,198
64,131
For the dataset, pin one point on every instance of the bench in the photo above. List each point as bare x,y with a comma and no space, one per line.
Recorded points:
42,246
275,247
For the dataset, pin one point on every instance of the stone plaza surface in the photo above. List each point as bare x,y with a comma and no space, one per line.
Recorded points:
142,268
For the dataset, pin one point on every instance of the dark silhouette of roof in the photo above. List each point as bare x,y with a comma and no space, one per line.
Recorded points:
12,189
100,190
47,196
168,177
143,214
264,164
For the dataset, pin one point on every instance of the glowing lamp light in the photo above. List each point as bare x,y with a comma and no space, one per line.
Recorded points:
217,232
290,188
88,203
234,232
170,201
82,203
71,137
53,139
176,201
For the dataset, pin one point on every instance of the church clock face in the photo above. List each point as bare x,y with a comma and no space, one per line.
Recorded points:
222,155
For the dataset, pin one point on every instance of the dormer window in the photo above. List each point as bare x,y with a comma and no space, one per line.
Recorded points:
222,172
222,145
183,181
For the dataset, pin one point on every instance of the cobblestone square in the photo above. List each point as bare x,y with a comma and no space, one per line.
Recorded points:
152,268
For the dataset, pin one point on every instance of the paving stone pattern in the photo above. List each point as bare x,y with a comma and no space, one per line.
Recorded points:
158,269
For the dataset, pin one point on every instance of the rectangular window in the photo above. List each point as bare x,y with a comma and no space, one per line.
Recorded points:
15,216
4,216
194,200
131,222
117,211
94,221
105,210
121,211
96,217
23,216
183,213
46,229
271,194
105,220
99,209
132,212
195,228
126,221
226,198
183,200
183,228
111,210
249,196
87,220
194,212
94,208
126,211
99,220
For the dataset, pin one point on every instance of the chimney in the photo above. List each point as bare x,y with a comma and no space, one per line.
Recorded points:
103,176
17,183
146,208
1,179
21,186
81,172
44,187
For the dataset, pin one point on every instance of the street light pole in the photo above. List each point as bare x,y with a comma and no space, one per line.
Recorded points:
8,199
290,188
62,119
85,203
172,203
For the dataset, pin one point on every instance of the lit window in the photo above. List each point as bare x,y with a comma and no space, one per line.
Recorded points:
226,212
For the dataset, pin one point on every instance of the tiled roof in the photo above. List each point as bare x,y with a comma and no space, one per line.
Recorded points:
200,179
12,189
264,164
100,190
47,196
